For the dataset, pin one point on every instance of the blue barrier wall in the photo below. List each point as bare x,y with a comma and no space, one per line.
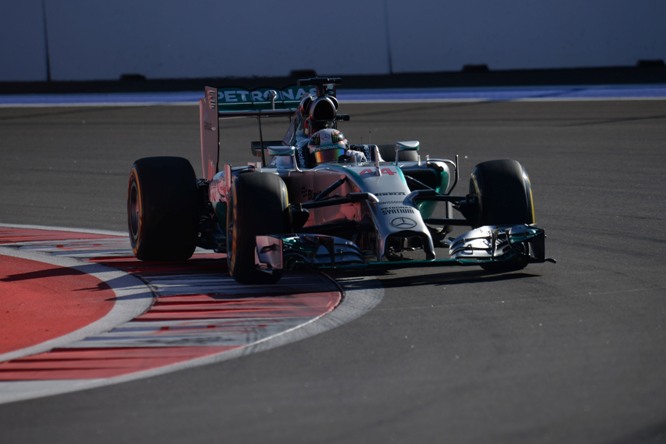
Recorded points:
102,39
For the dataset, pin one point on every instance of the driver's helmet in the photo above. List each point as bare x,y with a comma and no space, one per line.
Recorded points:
327,145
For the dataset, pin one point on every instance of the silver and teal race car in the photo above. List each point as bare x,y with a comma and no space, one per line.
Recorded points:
314,200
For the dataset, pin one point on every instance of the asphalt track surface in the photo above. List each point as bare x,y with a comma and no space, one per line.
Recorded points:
572,352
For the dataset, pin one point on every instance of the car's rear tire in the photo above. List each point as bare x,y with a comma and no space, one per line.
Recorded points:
257,206
502,195
162,209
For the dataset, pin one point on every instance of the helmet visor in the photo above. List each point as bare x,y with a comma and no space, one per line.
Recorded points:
328,155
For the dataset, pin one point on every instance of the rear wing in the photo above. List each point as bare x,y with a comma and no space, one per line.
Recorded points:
220,103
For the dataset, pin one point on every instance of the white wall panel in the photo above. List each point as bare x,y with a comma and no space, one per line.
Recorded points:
22,41
103,39
518,34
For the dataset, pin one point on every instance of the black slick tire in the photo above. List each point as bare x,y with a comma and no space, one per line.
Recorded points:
162,209
257,206
502,194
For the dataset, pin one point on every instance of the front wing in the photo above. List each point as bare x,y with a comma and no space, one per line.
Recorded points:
483,245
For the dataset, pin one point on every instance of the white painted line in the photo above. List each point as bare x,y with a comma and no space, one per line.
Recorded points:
73,230
543,93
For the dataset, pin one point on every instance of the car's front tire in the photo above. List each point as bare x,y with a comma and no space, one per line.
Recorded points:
257,205
502,195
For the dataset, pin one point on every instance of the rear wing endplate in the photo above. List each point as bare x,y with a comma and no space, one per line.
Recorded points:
210,135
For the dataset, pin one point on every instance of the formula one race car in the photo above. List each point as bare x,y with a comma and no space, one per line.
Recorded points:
315,200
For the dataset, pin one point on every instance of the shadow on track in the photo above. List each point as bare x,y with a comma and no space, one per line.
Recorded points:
390,280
